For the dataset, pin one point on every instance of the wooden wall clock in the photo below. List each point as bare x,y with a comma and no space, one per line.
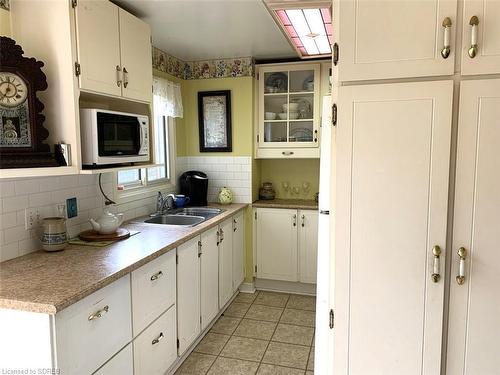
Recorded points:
22,133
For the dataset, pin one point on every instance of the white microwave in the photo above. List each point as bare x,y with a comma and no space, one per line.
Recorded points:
110,137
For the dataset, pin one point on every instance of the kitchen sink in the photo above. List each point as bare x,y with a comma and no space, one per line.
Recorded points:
188,216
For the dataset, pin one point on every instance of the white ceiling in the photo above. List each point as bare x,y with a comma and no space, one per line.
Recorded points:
211,29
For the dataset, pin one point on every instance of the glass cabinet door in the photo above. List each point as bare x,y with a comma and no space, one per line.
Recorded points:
289,104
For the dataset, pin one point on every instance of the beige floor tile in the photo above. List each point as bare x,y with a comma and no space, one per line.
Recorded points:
293,334
196,364
244,348
265,369
237,309
230,366
266,313
212,343
310,363
288,355
298,317
272,299
225,325
301,302
245,297
255,329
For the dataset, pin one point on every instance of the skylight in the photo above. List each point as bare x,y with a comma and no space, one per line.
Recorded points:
309,29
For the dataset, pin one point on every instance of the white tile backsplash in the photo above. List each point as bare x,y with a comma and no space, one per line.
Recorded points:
233,172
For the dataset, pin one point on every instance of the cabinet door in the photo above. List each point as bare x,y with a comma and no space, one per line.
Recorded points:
98,44
238,249
188,294
135,46
308,246
474,324
225,261
393,154
380,39
276,244
120,364
487,35
209,265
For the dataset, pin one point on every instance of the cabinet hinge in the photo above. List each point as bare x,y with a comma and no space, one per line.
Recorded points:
176,259
334,114
255,215
78,69
74,3
178,344
332,319
200,319
199,249
258,138
255,268
335,54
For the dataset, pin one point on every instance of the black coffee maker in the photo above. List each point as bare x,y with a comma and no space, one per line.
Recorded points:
194,184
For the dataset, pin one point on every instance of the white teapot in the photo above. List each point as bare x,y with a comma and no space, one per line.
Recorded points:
108,223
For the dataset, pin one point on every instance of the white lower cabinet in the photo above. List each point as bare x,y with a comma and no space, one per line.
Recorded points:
225,261
120,364
238,250
209,264
155,349
279,233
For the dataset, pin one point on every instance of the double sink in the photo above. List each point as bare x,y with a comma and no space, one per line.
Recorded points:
187,217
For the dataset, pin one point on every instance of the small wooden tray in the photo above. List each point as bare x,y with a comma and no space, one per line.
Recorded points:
93,236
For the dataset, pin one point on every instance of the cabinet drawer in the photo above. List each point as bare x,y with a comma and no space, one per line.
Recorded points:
153,290
120,364
92,330
155,349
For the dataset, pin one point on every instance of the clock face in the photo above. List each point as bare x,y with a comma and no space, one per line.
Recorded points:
13,90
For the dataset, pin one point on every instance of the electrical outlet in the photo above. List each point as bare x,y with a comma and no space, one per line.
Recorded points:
31,218
71,208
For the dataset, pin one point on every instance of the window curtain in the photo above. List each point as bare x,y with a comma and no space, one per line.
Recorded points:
167,100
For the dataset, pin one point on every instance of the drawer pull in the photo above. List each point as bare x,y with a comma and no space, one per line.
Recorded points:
436,275
287,153
157,340
99,313
156,276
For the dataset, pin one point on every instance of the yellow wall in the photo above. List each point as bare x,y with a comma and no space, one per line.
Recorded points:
4,22
295,171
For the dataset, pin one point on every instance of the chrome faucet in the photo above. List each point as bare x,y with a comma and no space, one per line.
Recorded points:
164,203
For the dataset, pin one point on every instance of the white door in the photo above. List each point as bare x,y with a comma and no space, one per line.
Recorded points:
209,275
98,42
308,246
276,244
474,323
188,294
391,39
135,46
393,153
238,249
485,36
225,261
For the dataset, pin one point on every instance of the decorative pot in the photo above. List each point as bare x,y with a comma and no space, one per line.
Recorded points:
54,236
225,196
267,192
108,223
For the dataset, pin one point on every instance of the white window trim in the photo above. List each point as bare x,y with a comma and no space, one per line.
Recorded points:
141,192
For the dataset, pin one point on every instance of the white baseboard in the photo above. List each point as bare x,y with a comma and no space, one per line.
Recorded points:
247,288
285,286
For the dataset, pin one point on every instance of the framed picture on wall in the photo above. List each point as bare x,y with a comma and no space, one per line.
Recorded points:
214,117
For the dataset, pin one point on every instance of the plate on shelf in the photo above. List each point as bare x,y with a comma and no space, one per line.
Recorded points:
302,135
308,84
278,82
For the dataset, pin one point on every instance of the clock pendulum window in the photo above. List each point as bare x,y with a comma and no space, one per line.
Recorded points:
22,133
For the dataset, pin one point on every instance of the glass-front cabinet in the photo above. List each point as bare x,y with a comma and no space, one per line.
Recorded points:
288,116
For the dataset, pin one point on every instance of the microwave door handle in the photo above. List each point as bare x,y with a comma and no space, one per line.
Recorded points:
143,130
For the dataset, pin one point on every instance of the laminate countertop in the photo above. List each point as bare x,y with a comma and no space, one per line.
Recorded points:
46,282
299,204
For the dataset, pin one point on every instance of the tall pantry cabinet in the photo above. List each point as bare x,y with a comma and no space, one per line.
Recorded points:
398,227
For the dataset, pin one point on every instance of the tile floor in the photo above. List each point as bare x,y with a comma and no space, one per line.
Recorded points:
263,333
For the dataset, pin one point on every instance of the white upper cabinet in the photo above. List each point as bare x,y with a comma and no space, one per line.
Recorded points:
135,47
474,324
393,155
308,246
481,37
381,39
114,51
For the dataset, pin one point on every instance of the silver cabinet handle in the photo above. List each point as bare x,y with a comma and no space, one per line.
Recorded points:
462,254
99,313
125,77
294,220
157,340
474,22
235,222
303,221
118,76
218,238
287,153
445,52
436,274
156,276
